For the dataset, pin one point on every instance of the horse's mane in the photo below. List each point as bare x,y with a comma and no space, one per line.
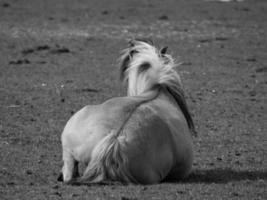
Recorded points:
144,66
178,95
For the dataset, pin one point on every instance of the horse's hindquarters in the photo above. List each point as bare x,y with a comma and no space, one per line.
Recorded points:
151,169
148,146
183,167
158,142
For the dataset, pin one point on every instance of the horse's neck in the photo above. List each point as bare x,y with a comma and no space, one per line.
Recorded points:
157,93
125,106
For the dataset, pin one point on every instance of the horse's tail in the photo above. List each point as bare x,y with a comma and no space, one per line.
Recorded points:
109,161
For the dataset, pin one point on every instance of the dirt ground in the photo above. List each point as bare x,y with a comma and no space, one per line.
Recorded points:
58,55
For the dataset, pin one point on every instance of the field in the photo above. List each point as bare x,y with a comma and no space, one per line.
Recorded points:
58,55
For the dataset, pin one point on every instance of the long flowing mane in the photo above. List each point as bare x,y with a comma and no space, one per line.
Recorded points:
144,67
178,95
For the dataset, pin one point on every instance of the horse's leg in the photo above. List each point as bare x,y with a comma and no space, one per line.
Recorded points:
75,172
70,167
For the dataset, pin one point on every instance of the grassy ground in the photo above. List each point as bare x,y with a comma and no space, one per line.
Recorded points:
57,56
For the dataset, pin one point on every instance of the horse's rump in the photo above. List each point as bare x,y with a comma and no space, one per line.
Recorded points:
143,149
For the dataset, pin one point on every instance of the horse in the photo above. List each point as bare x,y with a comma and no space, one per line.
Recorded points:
142,138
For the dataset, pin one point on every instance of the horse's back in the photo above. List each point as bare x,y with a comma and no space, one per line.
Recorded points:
92,123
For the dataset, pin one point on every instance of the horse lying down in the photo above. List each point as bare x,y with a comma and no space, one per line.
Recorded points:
142,138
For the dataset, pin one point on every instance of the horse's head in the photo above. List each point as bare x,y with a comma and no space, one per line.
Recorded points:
143,66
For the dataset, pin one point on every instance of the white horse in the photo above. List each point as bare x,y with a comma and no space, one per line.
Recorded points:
142,138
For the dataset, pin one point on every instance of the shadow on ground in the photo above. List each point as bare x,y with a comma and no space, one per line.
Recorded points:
218,175
224,176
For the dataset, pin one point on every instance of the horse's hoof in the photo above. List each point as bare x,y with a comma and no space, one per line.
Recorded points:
60,177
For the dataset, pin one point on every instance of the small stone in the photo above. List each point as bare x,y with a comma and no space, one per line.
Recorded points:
57,193
252,59
104,12
42,47
144,188
237,154
219,158
29,172
27,51
11,183
211,164
55,187
74,195
252,93
5,5
128,198
163,17
235,194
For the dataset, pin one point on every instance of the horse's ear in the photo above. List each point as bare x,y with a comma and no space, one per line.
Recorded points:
163,50
125,60
132,43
